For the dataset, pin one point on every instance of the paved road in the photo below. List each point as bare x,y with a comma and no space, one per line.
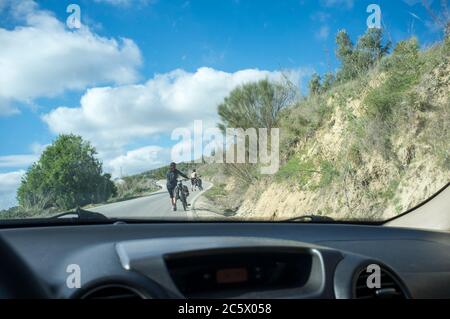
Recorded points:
154,206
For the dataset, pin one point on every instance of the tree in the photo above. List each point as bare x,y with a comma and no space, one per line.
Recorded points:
67,175
314,84
255,105
356,60
344,44
402,70
370,49
328,81
345,54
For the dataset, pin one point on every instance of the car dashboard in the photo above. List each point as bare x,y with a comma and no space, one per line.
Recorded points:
236,260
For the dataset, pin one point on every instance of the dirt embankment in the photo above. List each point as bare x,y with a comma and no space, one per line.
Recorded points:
416,173
376,187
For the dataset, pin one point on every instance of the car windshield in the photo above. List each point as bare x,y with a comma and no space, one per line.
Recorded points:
193,110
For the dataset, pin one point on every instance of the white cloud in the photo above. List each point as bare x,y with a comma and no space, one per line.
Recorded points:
189,149
182,151
110,117
22,160
136,161
42,58
17,160
9,182
113,117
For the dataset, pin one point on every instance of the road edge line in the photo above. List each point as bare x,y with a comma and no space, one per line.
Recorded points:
194,200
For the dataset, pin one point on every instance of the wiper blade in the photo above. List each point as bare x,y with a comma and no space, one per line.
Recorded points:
310,219
81,214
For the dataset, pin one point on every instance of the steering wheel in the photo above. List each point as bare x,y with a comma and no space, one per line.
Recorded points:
17,280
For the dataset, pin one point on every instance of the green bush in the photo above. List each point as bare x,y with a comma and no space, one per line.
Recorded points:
403,70
134,186
21,212
357,60
216,191
328,82
255,105
354,155
67,175
314,85
300,122
328,173
297,172
390,192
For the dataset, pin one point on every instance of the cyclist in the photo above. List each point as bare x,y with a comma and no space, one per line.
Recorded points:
172,176
193,179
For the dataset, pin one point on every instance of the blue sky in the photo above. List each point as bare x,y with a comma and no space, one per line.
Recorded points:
235,34
138,69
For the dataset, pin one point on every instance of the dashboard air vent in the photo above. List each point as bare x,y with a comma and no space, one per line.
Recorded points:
112,292
390,287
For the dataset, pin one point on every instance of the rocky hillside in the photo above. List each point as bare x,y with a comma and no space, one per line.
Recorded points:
368,149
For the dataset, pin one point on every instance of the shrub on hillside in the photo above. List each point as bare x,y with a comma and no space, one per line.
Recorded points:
357,60
130,187
67,175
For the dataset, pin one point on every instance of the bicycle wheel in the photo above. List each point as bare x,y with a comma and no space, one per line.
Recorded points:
183,200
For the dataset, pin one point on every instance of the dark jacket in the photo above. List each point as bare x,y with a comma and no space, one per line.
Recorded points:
172,177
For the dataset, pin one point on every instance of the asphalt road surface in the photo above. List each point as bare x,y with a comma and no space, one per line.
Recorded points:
154,206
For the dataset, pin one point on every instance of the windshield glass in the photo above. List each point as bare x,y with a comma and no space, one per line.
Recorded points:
330,110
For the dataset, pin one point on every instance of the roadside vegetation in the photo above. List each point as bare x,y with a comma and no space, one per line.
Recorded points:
368,141
69,175
130,187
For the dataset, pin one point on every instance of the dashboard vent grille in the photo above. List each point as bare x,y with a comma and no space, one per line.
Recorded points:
390,287
112,292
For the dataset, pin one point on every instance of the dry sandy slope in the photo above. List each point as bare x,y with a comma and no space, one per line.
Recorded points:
420,176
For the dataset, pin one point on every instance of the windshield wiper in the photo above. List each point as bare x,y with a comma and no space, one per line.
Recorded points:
81,214
74,217
310,219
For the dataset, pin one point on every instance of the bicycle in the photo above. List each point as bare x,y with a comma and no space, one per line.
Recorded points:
198,183
181,193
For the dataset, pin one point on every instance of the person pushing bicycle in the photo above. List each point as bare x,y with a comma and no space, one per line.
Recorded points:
171,183
193,179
